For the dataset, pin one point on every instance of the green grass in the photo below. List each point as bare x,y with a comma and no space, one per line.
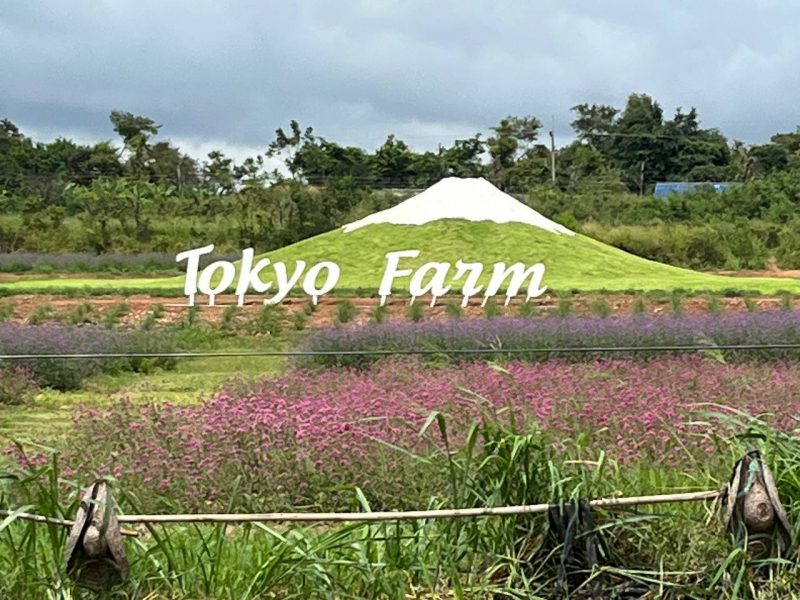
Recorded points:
601,308
379,314
47,285
51,410
345,311
673,546
415,312
675,550
527,309
453,310
572,263
575,262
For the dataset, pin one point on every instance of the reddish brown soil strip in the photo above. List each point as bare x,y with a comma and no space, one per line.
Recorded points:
175,308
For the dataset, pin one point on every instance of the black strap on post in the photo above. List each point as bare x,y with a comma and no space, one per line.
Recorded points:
566,520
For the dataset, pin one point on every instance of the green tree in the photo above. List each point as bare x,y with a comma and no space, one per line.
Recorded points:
169,166
391,164
582,166
514,138
464,157
790,141
640,148
218,173
744,162
18,157
593,125
430,167
288,145
771,157
92,162
696,154
99,209
134,130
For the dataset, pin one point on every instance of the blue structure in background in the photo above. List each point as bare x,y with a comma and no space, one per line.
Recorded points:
662,190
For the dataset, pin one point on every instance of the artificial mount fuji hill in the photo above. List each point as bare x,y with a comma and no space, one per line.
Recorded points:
471,220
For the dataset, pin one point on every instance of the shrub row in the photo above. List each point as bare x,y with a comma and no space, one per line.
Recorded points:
17,385
750,245
518,333
85,262
68,374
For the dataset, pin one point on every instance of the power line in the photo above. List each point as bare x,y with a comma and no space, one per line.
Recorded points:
408,352
400,183
692,138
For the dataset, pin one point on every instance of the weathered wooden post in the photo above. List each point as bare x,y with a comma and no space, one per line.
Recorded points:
752,509
94,554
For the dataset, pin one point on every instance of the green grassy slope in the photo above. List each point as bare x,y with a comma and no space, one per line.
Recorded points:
575,262
572,262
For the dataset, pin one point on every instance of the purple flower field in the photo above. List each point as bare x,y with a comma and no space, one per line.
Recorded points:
87,339
514,332
17,385
298,438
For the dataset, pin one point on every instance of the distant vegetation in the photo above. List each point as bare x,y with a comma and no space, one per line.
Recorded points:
87,262
143,195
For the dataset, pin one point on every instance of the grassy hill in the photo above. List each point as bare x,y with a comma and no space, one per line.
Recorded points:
572,263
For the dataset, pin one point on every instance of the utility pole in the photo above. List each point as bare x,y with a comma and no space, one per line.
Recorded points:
641,179
553,152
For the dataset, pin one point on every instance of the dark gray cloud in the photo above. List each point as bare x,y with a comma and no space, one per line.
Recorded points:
228,73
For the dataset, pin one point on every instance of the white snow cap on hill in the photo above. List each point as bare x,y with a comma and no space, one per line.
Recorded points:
473,199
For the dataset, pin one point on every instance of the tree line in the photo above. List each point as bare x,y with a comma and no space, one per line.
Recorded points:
142,193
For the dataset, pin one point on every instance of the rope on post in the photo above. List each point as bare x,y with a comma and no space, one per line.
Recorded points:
451,513
23,516
337,517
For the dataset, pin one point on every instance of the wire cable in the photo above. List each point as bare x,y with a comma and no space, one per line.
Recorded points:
409,352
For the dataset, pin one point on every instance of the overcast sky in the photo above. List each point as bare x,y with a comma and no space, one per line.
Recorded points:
226,74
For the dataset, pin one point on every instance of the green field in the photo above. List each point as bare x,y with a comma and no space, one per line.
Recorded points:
51,411
669,547
572,263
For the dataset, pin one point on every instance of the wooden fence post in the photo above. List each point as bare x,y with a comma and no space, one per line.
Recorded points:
94,554
752,509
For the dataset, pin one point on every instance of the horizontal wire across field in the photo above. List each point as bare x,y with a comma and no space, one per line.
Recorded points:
409,351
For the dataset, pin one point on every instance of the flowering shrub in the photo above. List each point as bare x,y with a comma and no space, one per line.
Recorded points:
66,374
560,332
17,386
299,438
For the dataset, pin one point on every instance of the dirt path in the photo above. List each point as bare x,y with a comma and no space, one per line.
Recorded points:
325,313
771,271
